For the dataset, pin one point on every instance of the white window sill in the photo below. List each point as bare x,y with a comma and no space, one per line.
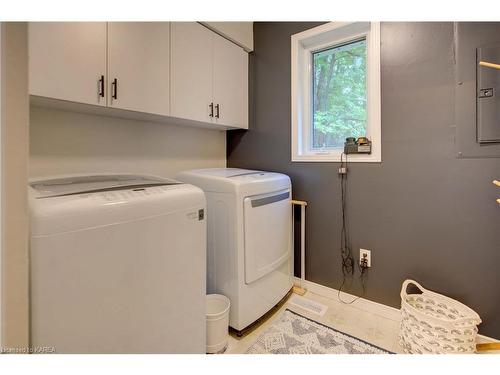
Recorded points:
335,158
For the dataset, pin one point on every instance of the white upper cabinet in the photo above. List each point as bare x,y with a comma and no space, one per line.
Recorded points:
139,66
67,60
209,77
155,70
191,77
230,84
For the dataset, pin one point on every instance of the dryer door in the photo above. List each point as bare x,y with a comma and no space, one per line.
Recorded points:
268,233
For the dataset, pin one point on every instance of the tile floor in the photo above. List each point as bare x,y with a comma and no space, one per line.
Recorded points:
373,328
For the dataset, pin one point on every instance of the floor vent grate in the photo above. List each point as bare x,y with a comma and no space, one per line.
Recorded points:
308,305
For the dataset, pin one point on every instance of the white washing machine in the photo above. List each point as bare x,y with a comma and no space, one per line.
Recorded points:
118,265
249,218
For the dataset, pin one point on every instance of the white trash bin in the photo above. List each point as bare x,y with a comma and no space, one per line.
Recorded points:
217,320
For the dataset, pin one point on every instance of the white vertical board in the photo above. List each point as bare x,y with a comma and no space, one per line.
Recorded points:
1,195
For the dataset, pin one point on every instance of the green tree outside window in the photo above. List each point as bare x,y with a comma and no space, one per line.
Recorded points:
339,94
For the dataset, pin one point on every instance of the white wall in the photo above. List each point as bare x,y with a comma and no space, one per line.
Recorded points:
1,228
14,165
68,142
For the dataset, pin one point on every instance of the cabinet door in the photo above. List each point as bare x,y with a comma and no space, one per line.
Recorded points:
191,71
139,58
230,83
67,60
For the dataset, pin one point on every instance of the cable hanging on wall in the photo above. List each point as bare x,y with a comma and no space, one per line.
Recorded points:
345,248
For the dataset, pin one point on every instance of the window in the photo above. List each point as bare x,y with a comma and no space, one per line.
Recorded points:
339,94
335,90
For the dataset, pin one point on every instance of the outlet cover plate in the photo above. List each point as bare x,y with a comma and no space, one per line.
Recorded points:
368,253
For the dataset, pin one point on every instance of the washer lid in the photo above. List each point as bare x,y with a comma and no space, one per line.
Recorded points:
57,187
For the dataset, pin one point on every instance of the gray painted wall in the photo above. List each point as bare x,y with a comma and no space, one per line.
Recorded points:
424,213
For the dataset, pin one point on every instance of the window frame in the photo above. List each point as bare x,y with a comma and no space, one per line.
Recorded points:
303,46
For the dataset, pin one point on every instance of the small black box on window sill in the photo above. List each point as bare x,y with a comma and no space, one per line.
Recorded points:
360,146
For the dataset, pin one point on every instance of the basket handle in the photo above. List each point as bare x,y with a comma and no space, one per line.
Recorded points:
407,282
405,285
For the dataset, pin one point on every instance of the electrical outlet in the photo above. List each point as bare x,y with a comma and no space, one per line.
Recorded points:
363,253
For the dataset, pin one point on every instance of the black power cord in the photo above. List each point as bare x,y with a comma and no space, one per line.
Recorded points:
345,248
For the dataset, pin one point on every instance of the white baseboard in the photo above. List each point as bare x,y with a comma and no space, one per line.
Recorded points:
385,311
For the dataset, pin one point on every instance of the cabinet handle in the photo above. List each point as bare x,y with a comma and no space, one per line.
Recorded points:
211,106
101,87
217,111
115,89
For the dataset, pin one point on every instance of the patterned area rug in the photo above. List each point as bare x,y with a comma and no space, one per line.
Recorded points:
295,334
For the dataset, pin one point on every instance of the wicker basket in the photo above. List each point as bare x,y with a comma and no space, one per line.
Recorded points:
433,323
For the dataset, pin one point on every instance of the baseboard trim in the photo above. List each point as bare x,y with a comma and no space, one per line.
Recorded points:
385,311
380,309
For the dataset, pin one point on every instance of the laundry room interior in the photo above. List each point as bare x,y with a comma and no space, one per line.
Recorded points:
250,187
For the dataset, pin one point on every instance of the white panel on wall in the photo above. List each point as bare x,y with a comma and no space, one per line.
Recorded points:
1,231
69,142
14,158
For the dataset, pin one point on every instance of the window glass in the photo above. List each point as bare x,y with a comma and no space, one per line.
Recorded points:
339,94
